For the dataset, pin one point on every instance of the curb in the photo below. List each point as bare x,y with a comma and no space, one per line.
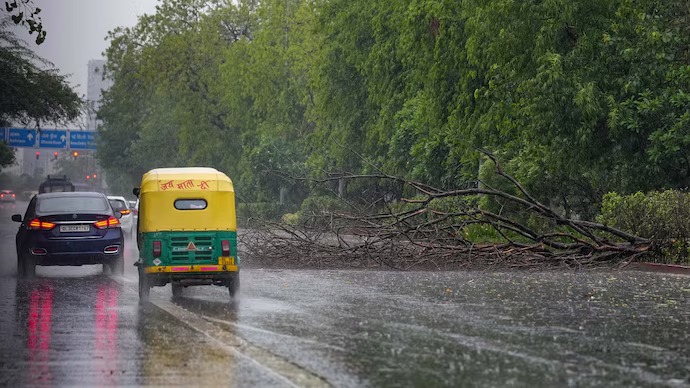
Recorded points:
656,267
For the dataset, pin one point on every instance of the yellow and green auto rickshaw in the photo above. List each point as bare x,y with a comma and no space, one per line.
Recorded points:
187,230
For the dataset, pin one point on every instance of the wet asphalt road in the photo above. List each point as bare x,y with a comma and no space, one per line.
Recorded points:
78,326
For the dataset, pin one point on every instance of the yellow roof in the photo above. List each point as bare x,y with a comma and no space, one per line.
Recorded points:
185,179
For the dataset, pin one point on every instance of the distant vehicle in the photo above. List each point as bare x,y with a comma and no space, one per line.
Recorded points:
71,228
7,196
55,184
120,204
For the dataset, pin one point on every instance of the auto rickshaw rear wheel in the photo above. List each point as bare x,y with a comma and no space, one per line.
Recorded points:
234,284
177,289
144,286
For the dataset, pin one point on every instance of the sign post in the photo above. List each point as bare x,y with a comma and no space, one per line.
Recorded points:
22,137
53,139
82,140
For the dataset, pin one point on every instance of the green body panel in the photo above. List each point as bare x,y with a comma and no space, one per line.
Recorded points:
174,247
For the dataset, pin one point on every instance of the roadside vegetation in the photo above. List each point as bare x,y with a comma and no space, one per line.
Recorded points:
32,92
351,106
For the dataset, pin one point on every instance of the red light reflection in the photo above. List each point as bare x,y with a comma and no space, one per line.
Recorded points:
106,326
39,328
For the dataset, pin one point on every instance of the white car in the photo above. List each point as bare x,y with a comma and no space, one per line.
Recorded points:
134,207
121,205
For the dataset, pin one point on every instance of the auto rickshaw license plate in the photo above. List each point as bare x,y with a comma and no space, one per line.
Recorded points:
226,260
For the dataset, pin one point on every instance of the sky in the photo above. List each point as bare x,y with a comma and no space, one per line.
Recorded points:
76,31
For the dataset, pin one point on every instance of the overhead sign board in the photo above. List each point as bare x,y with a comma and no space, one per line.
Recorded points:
82,140
52,139
49,138
21,137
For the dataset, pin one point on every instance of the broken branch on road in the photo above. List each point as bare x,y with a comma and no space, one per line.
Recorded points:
430,228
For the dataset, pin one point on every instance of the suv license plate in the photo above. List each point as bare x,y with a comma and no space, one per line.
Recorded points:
74,228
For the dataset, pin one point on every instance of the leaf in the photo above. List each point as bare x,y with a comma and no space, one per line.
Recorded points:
18,18
41,37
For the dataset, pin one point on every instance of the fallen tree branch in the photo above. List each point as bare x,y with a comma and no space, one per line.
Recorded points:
418,236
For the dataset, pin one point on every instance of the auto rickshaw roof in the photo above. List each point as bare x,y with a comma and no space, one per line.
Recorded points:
185,179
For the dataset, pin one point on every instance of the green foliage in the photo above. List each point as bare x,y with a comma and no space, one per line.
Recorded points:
662,216
576,98
318,211
6,155
31,94
259,211
290,218
25,13
317,205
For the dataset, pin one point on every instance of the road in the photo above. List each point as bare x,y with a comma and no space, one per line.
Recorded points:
77,326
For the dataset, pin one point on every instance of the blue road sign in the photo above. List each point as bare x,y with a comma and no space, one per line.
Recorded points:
22,137
52,139
82,140
3,137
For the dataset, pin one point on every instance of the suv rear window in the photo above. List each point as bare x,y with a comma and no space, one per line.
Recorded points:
118,204
72,204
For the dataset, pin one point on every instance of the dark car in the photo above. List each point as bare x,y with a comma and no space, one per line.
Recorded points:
56,184
73,228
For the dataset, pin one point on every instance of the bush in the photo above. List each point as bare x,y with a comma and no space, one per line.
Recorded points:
662,216
318,210
248,212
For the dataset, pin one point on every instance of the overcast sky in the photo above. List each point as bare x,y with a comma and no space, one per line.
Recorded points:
77,30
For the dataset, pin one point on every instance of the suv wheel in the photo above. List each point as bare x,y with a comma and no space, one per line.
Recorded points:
29,264
117,265
21,273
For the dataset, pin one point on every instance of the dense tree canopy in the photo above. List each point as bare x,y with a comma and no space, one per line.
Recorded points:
30,93
578,98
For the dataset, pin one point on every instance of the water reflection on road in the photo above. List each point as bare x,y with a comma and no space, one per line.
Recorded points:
91,331
69,331
78,326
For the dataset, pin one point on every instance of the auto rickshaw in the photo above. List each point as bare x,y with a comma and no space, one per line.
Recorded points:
187,230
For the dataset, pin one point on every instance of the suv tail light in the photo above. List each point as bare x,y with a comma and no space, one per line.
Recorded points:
37,224
125,211
225,246
111,222
156,249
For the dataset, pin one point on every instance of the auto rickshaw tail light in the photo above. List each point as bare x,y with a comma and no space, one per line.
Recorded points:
156,249
225,247
37,224
111,222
